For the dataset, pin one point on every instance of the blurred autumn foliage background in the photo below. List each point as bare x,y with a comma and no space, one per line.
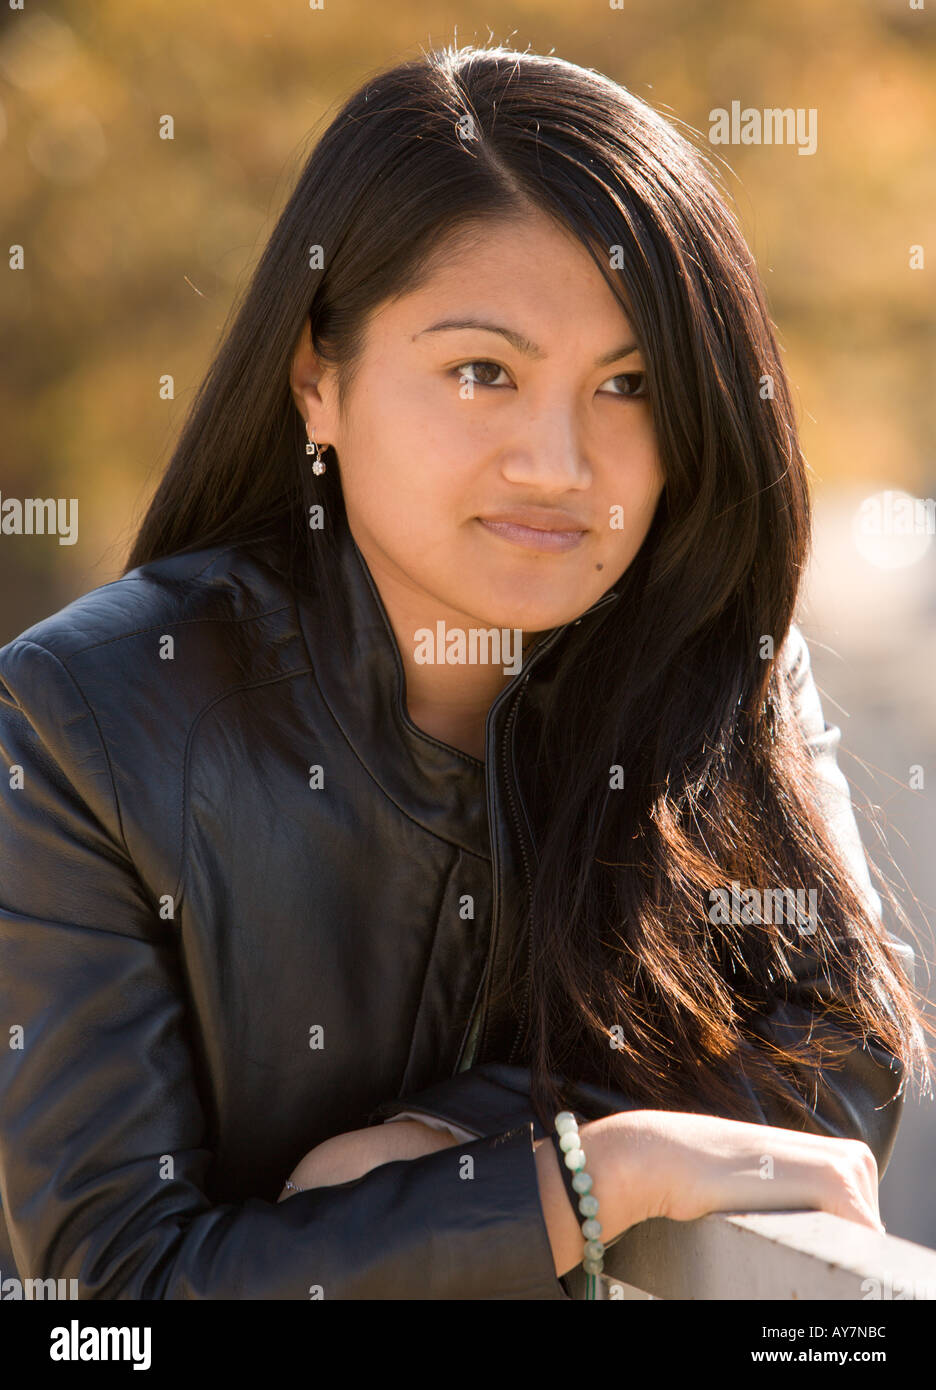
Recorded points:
135,247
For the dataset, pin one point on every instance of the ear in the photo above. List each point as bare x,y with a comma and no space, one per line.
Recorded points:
313,388
304,370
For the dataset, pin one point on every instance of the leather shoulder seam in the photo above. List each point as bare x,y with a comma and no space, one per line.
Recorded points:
178,622
27,641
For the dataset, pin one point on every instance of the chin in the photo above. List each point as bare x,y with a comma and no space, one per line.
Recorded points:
548,610
530,618
527,604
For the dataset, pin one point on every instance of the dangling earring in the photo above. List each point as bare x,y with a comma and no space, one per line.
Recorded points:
313,448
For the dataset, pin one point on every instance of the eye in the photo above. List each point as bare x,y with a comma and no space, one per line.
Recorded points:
636,383
461,373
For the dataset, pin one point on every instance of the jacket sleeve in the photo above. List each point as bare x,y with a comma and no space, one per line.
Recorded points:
103,1141
855,1099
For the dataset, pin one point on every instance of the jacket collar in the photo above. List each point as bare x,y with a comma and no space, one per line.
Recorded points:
438,786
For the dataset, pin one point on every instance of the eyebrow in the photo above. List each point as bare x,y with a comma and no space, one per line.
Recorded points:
518,340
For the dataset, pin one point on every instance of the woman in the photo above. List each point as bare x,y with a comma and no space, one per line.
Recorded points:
285,855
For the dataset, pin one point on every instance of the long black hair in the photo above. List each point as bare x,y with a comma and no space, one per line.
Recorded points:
629,981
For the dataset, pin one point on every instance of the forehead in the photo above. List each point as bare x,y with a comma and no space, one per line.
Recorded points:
528,269
503,244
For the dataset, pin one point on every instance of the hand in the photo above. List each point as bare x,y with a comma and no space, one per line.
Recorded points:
351,1155
689,1165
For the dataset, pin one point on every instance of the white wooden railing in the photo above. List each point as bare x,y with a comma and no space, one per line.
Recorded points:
762,1255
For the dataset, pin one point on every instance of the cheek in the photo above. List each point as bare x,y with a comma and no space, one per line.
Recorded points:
648,475
412,446
391,476
405,497
637,480
654,480
646,455
633,496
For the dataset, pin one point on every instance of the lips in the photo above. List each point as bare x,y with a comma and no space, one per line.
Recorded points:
537,519
534,537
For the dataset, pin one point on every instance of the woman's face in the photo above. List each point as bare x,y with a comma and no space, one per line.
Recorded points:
447,426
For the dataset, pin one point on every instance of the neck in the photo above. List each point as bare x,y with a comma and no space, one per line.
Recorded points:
449,701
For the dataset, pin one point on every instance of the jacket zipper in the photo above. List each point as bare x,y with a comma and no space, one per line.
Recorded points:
477,1025
508,783
529,879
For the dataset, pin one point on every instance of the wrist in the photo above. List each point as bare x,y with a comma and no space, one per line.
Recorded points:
612,1148
617,1159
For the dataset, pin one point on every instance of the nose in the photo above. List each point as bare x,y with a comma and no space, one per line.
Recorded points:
548,458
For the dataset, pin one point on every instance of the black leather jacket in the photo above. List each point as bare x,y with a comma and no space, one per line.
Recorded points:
212,958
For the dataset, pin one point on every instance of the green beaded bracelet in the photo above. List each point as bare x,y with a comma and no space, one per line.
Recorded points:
574,1159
